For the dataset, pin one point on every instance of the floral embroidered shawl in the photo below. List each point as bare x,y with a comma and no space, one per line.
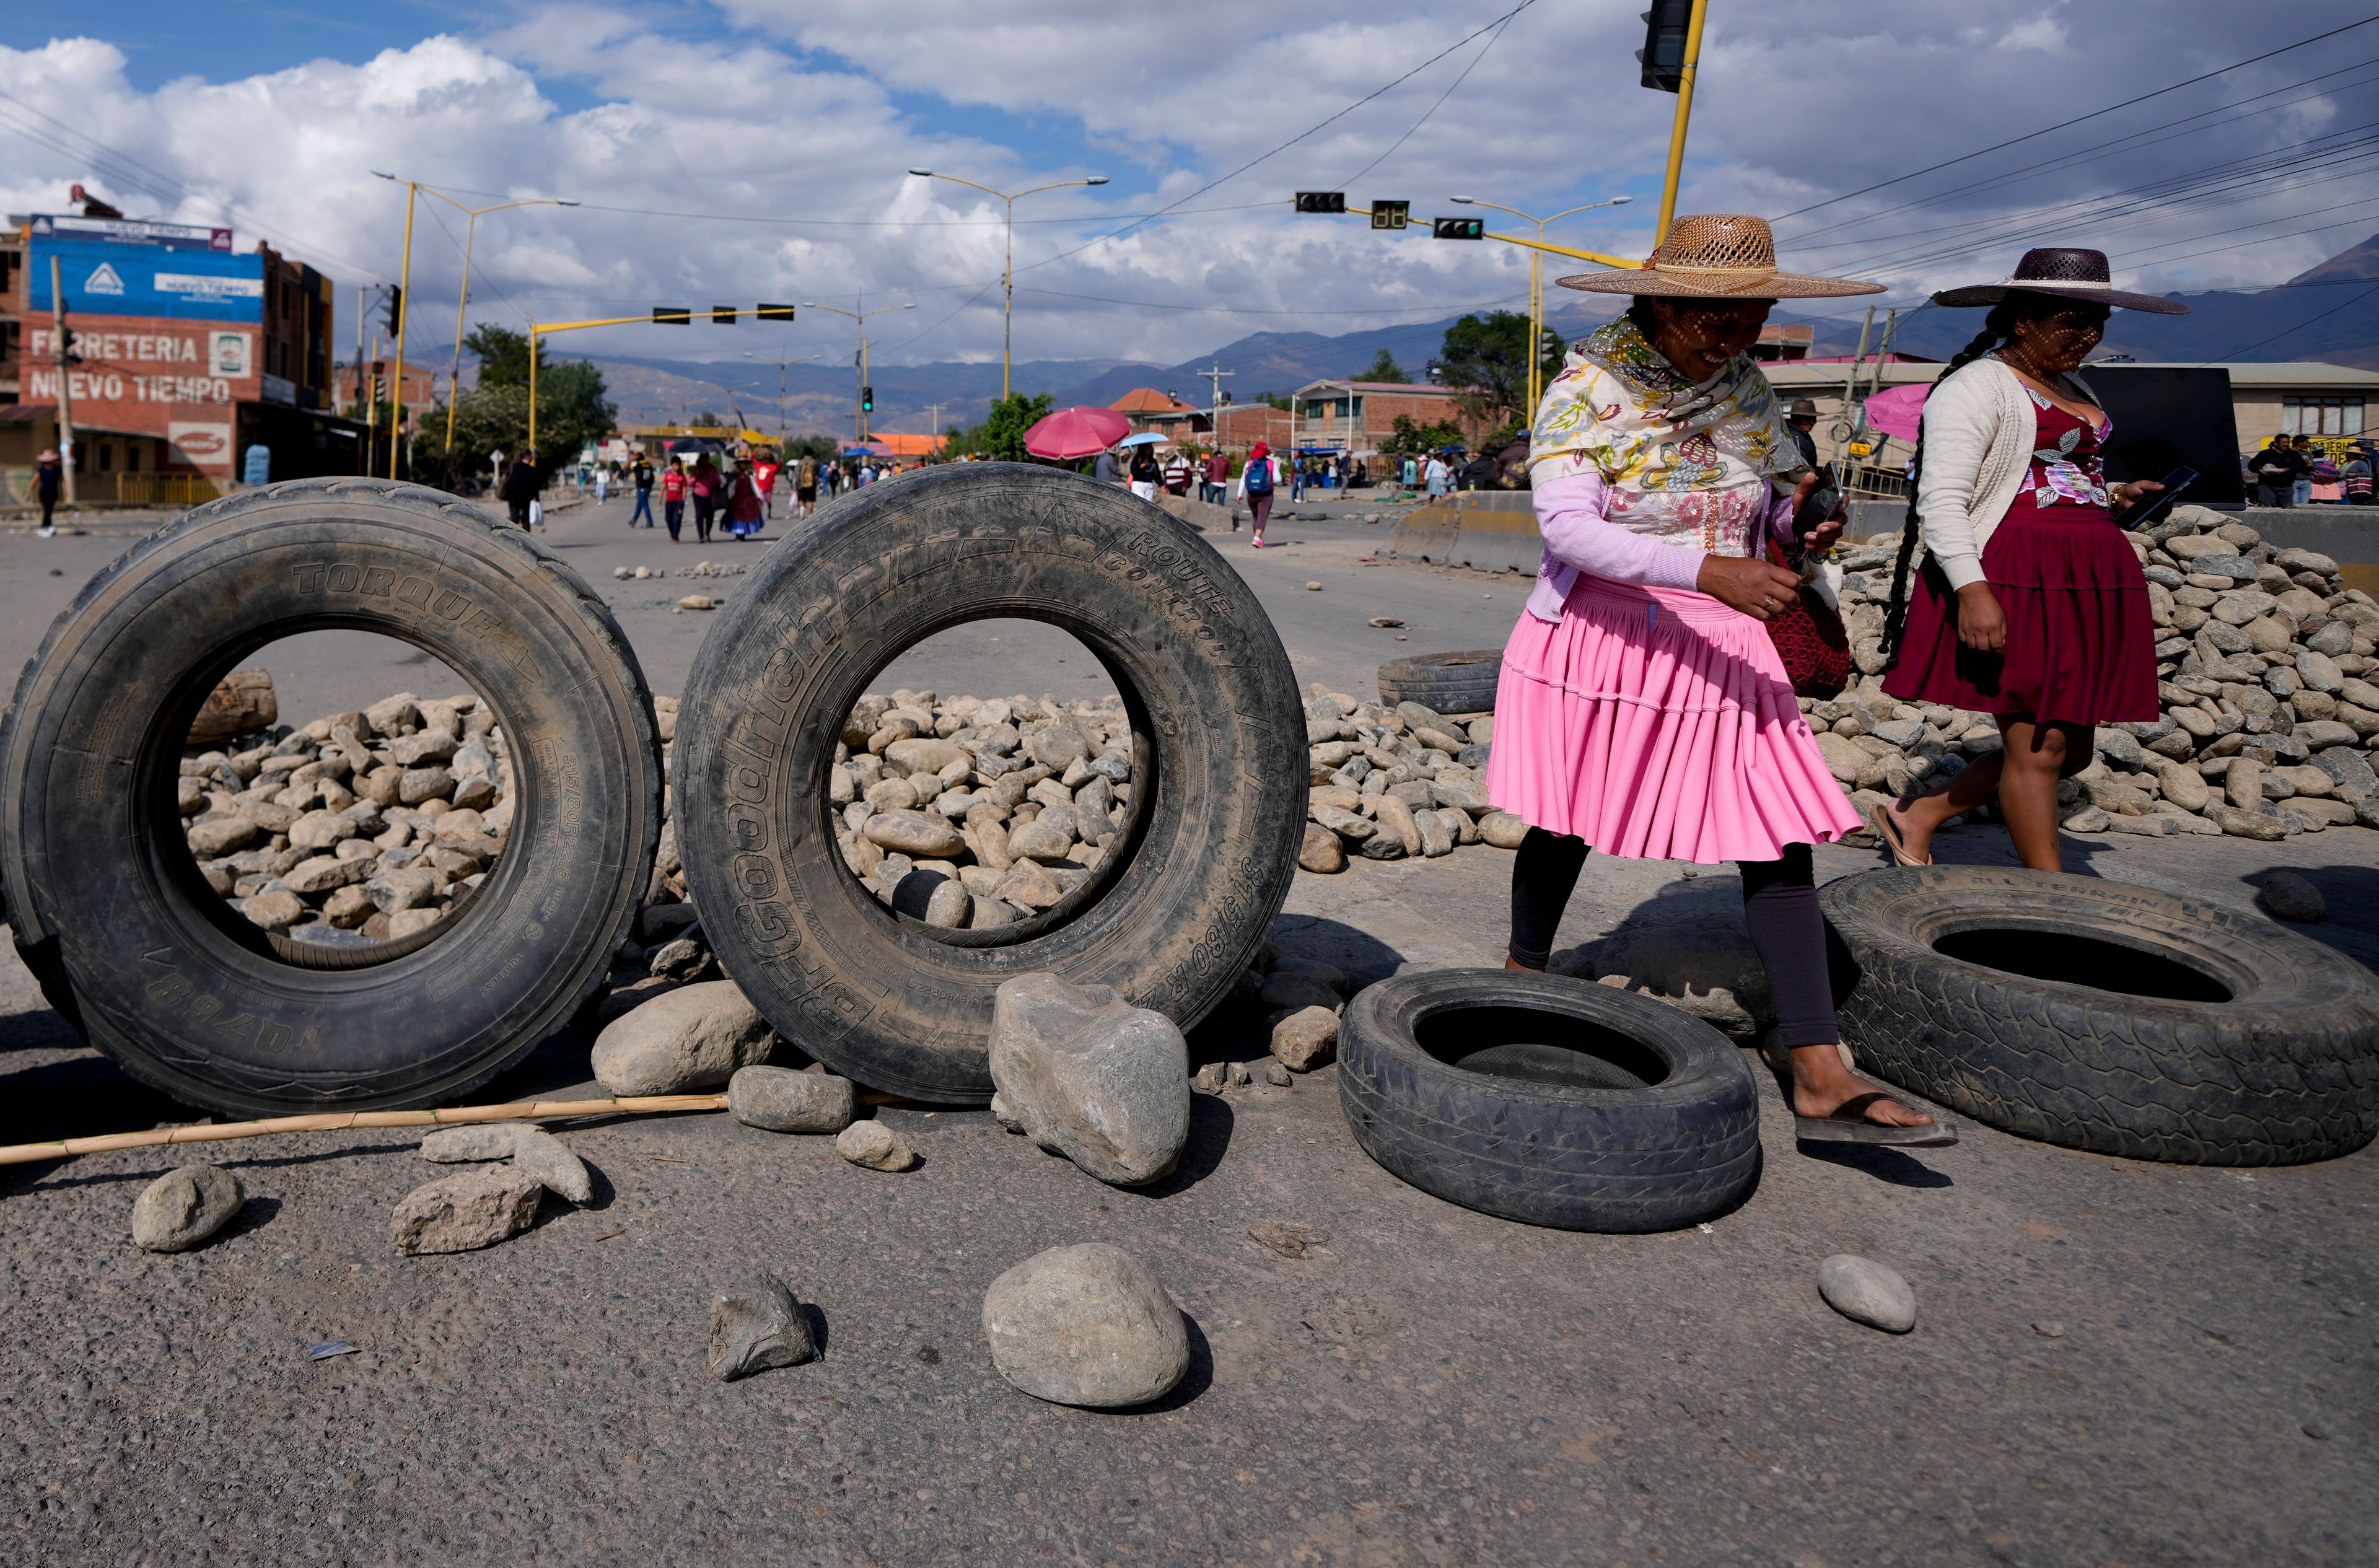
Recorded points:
1687,463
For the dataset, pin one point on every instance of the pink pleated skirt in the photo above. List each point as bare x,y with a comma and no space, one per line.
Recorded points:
1658,724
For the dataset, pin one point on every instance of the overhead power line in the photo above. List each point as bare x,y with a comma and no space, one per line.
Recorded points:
2078,119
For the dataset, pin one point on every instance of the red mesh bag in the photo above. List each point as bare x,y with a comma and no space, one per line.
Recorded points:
1810,638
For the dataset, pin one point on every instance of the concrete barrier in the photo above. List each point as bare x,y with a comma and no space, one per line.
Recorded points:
1485,530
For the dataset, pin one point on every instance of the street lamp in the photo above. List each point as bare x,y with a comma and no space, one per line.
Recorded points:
859,360
1536,282
1008,267
781,365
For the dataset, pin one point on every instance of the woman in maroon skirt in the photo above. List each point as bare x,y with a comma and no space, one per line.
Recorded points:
2029,605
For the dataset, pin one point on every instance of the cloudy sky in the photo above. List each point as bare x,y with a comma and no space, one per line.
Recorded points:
734,151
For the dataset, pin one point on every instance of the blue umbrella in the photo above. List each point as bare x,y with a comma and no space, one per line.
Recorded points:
1146,438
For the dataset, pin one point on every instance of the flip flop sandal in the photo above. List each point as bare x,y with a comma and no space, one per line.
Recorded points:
1880,815
1854,1128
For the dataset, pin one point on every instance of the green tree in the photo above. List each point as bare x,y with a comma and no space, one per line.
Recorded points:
1486,357
1000,437
572,410
1274,400
706,420
502,355
1419,440
1383,368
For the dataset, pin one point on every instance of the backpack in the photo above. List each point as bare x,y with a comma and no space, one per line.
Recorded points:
1259,477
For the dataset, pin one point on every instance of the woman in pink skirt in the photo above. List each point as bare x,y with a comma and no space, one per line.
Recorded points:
2031,606
1643,710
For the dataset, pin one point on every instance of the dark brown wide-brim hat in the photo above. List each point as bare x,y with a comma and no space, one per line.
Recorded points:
2066,271
1724,256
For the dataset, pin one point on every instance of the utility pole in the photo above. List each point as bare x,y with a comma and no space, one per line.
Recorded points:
1008,265
368,387
1213,375
60,357
1843,426
858,360
937,427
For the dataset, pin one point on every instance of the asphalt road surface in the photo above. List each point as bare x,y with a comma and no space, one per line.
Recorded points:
2115,1362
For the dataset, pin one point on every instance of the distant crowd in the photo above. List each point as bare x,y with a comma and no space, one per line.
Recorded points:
2293,471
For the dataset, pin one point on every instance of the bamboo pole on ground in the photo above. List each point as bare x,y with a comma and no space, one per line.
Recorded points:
343,1121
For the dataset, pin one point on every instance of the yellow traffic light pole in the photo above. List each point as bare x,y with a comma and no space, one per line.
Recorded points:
1684,114
537,328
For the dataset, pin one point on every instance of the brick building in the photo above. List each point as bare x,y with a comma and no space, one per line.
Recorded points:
1358,419
183,354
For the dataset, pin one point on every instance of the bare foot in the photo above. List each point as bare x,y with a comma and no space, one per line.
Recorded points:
1823,1087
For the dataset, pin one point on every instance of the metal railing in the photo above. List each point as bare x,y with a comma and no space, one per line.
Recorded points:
164,490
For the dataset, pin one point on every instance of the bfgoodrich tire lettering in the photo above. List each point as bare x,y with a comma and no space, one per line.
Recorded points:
1621,1157
2283,1071
1219,740
109,909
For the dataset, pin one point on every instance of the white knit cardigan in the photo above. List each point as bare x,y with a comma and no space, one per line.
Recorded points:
1980,435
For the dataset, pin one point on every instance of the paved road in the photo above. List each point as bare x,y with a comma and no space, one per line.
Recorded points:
2115,1363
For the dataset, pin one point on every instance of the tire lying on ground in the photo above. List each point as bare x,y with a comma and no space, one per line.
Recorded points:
1547,1099
1448,682
110,910
2109,1017
1184,893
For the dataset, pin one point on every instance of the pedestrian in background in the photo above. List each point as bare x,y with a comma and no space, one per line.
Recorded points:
805,484
675,484
2328,483
705,483
1410,472
1218,478
2275,471
1296,477
1439,478
49,483
1176,474
1803,422
520,487
2031,606
1259,481
745,511
764,473
1105,470
2356,474
602,484
641,475
1144,472
2301,491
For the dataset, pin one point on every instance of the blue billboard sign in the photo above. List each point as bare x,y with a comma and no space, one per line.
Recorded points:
102,278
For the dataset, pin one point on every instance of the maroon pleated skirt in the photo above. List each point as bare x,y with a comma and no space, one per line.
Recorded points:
2081,633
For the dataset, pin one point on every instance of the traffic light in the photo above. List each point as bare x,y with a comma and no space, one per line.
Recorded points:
1458,228
1321,201
395,309
1391,214
673,316
722,315
1663,55
868,400
773,313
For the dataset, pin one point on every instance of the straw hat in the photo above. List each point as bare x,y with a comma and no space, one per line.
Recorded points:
49,454
2065,270
1723,257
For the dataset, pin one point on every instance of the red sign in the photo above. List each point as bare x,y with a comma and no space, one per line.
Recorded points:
178,381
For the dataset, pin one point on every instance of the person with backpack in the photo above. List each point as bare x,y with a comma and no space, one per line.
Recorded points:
1257,483
806,485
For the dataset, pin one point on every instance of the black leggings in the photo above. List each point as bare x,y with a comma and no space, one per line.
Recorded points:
1779,906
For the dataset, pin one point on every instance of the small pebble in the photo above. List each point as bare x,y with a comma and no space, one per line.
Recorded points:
1278,1076
1865,1292
1314,586
2050,1328
1239,1074
2318,1434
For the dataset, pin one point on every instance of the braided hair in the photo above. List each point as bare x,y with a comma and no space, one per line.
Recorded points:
1999,327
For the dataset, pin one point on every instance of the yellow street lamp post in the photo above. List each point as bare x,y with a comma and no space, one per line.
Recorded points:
1536,281
463,300
1008,267
858,359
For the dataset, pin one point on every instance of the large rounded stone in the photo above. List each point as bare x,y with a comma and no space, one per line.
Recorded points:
781,1100
185,1207
694,1037
1058,744
1865,1292
914,834
213,837
1305,1039
921,755
1088,1325
560,1172
1503,830
481,1207
1037,840
2291,897
1091,1077
1320,851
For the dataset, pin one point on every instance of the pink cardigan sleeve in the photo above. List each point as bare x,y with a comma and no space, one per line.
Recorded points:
1578,539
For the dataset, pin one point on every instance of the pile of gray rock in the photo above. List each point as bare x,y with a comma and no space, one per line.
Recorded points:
2265,670
1394,783
699,568
972,813
359,827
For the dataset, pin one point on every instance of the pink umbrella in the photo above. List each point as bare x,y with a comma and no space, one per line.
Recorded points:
1076,432
1896,410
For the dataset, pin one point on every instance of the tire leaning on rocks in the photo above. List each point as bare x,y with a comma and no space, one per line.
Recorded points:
2285,1070
109,909
1184,895
1653,1125
1446,683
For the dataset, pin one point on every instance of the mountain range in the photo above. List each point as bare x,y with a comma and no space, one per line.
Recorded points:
2326,313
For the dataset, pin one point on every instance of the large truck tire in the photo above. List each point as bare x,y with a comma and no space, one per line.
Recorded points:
1548,1100
1182,898
2110,1018
1446,683
109,909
